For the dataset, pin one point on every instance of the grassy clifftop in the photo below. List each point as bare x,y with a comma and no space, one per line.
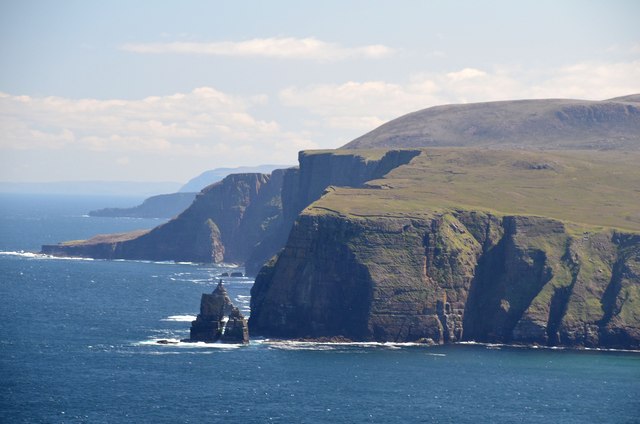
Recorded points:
466,244
594,189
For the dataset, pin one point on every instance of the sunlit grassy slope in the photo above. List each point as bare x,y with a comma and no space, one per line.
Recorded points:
590,188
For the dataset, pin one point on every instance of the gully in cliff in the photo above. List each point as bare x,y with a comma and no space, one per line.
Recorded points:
211,326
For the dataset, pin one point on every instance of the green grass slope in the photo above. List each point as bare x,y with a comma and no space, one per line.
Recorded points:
593,189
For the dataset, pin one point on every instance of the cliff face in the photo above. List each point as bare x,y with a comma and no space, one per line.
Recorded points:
449,277
306,184
321,169
245,218
224,223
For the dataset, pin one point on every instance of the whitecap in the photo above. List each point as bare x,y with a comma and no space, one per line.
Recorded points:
34,255
180,318
312,345
177,343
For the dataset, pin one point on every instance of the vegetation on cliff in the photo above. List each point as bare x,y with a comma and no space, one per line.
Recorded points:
464,244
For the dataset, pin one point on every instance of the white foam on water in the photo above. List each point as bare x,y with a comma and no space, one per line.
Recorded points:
519,346
311,345
165,352
33,255
177,343
179,318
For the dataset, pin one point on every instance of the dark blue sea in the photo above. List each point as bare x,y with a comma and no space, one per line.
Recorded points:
78,344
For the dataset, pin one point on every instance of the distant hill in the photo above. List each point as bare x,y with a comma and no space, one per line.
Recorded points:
550,124
160,206
214,175
170,205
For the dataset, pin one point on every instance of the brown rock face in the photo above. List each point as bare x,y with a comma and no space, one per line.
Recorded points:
210,326
451,277
237,329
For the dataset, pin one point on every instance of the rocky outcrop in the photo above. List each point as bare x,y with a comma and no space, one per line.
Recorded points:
160,206
210,325
236,329
450,277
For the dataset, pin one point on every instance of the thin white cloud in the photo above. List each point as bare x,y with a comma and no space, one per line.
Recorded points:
276,47
361,106
202,123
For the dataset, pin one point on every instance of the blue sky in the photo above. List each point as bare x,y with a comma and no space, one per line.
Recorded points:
158,90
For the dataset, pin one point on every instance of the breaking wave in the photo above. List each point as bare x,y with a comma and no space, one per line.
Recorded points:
184,344
180,318
34,255
314,345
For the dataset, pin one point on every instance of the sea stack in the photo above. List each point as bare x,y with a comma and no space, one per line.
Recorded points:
237,329
210,325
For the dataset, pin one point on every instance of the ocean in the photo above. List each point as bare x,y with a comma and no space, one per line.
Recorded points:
78,344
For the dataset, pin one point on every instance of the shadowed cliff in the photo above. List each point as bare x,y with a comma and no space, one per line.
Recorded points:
245,218
225,221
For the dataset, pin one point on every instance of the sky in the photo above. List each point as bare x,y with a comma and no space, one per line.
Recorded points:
164,90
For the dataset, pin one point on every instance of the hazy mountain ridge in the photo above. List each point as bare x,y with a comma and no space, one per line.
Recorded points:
160,206
211,176
551,124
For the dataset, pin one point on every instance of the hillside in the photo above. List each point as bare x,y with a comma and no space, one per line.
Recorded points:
466,244
223,223
599,189
562,124
160,206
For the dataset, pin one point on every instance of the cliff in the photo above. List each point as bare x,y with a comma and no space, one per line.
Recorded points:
225,221
160,206
245,218
448,248
198,183
318,170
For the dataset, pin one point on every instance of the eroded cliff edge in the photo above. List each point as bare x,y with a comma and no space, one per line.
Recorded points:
397,261
458,276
